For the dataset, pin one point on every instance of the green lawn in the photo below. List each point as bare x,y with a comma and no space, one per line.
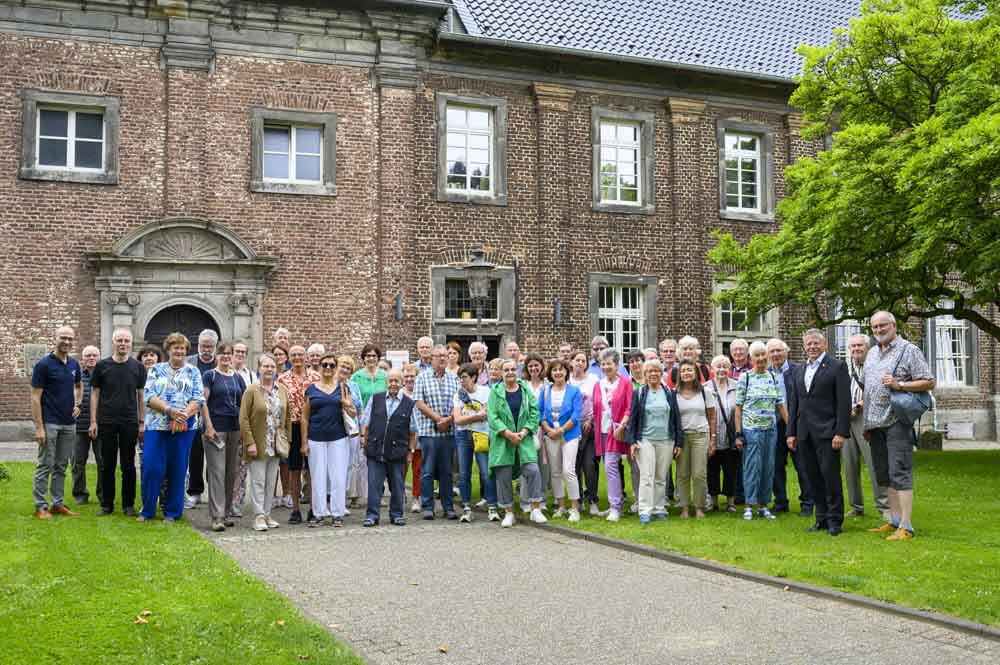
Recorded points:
952,566
71,589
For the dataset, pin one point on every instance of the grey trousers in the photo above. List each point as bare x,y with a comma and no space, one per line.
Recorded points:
222,463
81,452
263,477
856,450
543,471
531,481
53,458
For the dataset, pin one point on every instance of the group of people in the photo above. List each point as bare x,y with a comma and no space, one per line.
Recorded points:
532,426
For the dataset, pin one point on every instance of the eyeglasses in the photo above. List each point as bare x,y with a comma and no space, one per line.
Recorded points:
371,355
328,365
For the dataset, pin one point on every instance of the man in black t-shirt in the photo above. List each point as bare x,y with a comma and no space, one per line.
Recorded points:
116,418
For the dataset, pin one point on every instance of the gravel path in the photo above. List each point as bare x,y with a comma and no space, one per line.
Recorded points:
521,595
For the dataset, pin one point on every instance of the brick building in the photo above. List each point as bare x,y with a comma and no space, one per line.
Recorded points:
329,166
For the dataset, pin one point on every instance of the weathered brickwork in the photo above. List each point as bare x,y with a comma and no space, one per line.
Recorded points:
185,151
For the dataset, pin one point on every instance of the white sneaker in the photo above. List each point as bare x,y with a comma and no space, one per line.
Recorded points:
466,515
346,512
537,517
190,501
481,503
594,510
493,515
260,523
508,520
574,515
748,514
613,515
455,492
560,512
415,506
271,524
634,508
525,507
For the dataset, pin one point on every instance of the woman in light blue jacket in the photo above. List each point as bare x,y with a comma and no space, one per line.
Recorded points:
560,407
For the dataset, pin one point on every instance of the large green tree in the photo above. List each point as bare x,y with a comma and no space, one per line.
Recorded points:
901,213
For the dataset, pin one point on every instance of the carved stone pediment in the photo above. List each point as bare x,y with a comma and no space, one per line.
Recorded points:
185,244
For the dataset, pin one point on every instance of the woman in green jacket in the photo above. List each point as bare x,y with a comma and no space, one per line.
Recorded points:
512,443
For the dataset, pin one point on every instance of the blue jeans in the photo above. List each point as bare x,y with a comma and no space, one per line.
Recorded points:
377,473
466,454
436,464
165,453
758,464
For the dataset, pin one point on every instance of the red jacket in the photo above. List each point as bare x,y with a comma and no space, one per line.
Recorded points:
621,405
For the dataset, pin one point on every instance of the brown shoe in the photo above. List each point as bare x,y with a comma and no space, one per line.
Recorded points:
900,534
62,510
43,514
885,528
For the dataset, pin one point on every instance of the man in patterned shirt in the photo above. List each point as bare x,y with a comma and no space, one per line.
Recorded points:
434,393
893,364
296,380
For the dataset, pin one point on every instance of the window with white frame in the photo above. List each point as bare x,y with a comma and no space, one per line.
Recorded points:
843,331
470,147
293,153
621,316
952,356
70,139
621,180
732,321
743,171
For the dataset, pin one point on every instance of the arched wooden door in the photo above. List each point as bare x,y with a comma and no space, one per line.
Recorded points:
185,319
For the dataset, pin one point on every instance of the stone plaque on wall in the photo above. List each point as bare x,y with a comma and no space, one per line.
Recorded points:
32,354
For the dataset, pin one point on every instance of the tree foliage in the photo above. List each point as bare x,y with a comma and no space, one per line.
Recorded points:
903,211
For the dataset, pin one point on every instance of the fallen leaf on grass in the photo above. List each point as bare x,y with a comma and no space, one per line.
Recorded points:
140,620
443,648
786,588
280,622
335,626
304,657
145,613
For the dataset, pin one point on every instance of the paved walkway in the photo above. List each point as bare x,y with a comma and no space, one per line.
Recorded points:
522,595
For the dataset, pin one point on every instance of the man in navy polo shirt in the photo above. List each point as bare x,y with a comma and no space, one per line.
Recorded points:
56,393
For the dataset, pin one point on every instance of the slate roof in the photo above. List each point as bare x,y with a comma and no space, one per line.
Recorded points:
754,37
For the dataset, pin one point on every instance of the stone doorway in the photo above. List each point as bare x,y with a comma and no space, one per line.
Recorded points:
186,274
185,319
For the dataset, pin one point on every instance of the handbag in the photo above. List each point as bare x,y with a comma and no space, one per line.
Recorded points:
730,434
350,422
908,406
481,442
281,446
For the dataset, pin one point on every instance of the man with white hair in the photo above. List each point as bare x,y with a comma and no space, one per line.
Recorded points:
204,360
85,439
689,348
893,365
425,347
597,346
856,448
117,416
739,352
777,354
477,356
56,393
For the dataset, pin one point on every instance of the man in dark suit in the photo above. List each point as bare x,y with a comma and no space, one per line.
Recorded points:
819,421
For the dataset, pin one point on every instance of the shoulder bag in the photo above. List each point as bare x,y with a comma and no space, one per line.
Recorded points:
908,406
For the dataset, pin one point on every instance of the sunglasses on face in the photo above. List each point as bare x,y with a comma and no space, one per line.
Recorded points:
328,365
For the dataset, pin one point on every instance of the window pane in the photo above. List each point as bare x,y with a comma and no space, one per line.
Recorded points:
276,166
53,123
307,167
607,132
626,168
480,184
479,141
749,189
88,154
732,201
732,188
455,117
731,165
748,143
456,182
628,155
276,139
89,126
479,119
628,133
749,166
456,168
630,195
732,141
609,155
628,181
479,156
307,139
456,140
727,323
52,152
749,201
608,193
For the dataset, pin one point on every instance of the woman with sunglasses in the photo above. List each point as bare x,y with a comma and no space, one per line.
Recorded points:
325,438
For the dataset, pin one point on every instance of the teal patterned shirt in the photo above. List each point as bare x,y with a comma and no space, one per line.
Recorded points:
759,395
176,388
